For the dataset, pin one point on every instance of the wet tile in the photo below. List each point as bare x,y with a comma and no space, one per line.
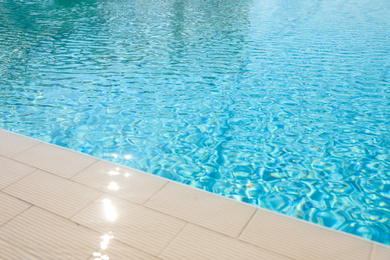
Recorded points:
38,234
302,240
120,181
200,243
11,171
11,144
10,207
53,193
118,251
381,252
57,160
130,223
202,208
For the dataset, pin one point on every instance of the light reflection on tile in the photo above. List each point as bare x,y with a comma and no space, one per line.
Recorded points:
124,230
105,241
113,186
134,225
109,210
117,250
120,181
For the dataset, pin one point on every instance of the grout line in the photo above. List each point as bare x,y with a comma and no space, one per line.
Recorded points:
151,196
247,223
90,229
173,239
17,215
372,253
77,212
58,176
127,245
28,174
12,157
66,219
61,217
245,242
77,173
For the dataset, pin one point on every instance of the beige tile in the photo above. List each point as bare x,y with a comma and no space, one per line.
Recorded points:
202,208
118,251
53,193
381,252
11,171
130,223
11,144
9,251
10,207
199,243
38,234
120,181
303,240
55,159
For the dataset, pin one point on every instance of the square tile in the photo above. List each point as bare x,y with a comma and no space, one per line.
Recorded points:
120,181
381,252
10,207
38,234
53,193
11,171
130,223
202,208
200,243
116,251
11,144
303,240
55,159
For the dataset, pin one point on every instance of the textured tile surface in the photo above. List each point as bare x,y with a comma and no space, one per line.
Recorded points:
54,159
121,181
11,171
139,232
381,252
11,144
53,193
10,208
117,251
132,224
43,235
9,251
199,243
208,210
301,240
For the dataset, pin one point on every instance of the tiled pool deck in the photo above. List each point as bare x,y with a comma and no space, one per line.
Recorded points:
59,204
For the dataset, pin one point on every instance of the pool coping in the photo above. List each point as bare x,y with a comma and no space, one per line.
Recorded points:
198,224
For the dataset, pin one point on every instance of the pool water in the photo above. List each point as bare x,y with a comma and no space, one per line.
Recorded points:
283,104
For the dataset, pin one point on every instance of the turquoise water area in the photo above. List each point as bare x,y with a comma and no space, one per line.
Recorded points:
283,104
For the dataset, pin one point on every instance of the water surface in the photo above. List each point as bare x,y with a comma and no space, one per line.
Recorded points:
282,104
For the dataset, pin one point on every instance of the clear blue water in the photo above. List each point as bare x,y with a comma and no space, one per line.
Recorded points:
283,104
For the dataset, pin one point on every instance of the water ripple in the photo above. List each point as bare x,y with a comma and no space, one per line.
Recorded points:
281,105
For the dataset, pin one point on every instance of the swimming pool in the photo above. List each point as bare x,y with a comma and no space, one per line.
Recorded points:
282,104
